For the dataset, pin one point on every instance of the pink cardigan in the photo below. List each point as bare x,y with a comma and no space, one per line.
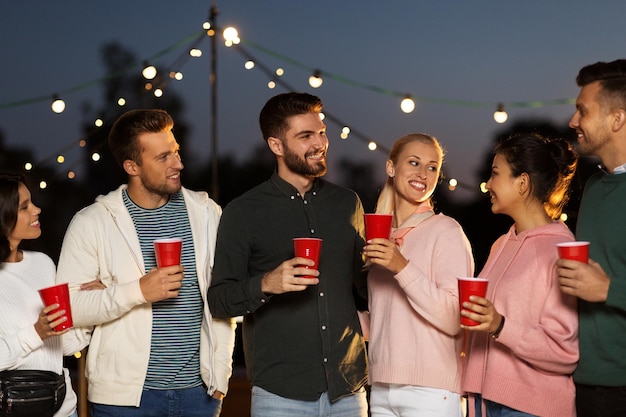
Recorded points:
415,332
529,366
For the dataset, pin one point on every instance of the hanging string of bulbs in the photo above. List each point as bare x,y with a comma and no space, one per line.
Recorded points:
316,79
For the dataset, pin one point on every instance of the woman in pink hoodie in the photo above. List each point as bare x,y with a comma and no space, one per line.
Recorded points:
414,349
522,365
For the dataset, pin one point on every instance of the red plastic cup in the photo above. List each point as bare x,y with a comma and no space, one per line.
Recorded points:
471,286
576,251
58,294
167,251
377,226
308,247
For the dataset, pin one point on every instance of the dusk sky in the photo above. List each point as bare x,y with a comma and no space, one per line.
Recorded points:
461,57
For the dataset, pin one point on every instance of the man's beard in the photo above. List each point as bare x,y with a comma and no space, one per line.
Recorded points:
300,165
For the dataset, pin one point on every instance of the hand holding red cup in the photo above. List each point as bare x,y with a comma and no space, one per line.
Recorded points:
576,251
309,248
58,294
377,225
167,251
469,286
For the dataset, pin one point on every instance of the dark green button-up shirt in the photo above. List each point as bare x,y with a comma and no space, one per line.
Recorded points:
299,344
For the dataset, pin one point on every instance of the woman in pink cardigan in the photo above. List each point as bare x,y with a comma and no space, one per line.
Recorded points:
414,347
522,365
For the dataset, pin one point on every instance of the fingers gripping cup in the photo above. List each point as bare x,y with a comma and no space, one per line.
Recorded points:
308,247
471,286
168,251
377,226
576,251
58,294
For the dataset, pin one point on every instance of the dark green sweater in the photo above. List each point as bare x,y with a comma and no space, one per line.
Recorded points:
602,221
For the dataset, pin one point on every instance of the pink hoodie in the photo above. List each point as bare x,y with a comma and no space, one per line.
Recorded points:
529,367
415,331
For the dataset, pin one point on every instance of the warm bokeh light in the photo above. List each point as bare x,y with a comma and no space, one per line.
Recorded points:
271,85
149,72
121,101
60,159
500,116
82,143
98,122
58,105
158,92
372,146
95,156
71,175
407,105
231,36
249,65
564,217
43,185
280,72
316,80
178,76
322,116
483,187
206,25
195,52
28,166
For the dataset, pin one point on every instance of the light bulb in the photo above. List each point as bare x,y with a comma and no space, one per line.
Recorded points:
500,116
58,105
149,71
407,105
315,80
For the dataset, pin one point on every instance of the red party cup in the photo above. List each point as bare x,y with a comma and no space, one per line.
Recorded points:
58,294
377,226
471,286
308,247
167,251
576,251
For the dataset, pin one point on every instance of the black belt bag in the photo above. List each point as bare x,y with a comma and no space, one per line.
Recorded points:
30,392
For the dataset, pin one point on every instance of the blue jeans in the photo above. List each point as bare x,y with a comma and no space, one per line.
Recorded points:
191,402
266,404
498,410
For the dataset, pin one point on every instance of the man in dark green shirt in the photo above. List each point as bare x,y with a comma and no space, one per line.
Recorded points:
600,285
303,344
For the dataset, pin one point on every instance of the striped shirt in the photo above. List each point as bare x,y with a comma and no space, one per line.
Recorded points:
175,347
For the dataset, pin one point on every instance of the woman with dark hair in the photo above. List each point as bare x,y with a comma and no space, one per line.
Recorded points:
523,366
27,336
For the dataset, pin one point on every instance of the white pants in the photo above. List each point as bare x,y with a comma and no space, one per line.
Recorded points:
388,400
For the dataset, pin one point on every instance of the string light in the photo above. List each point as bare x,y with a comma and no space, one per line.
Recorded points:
195,52
249,65
231,36
500,116
315,80
58,105
372,146
280,72
271,85
149,71
407,104
60,159
344,132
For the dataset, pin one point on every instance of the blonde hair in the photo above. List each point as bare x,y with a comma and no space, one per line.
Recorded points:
385,202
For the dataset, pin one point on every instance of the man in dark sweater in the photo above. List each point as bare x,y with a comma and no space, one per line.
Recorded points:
303,344
600,285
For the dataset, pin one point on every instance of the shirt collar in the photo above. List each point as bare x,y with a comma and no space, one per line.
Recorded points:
291,191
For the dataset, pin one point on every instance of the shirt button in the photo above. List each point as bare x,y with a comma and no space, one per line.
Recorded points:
323,327
306,202
293,198
262,300
314,192
312,231
325,360
321,294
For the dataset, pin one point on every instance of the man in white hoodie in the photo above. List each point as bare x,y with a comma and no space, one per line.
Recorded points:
154,348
